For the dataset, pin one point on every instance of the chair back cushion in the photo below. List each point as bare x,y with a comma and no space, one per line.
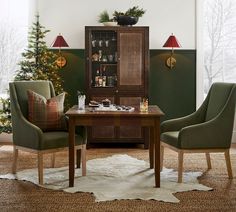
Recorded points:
218,96
43,88
47,114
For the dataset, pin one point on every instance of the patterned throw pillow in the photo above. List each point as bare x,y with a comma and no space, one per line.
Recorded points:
47,114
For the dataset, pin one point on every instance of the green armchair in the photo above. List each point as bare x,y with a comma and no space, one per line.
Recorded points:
207,130
29,137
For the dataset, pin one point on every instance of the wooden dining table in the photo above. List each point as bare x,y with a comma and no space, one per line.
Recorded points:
91,117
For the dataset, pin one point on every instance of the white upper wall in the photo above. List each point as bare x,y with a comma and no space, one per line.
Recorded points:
69,17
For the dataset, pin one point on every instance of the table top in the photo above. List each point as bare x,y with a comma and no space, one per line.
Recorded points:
153,110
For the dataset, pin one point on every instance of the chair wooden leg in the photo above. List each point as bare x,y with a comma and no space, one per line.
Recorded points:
53,156
161,157
208,158
228,164
78,158
40,168
83,159
180,166
15,156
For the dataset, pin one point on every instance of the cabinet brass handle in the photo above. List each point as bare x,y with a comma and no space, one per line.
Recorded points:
117,91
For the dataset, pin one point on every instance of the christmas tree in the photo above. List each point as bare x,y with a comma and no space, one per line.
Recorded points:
39,63
5,116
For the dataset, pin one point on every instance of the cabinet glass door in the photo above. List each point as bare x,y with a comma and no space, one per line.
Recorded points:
103,58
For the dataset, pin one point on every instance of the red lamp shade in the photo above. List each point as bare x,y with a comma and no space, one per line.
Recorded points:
172,42
60,42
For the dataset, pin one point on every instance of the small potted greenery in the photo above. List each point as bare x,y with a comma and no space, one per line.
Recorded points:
130,17
105,19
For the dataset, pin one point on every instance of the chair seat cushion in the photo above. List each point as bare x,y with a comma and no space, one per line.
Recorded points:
47,114
170,138
58,139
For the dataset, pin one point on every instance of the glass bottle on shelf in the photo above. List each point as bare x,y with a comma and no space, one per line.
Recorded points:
100,80
100,55
104,78
96,80
115,57
110,81
104,58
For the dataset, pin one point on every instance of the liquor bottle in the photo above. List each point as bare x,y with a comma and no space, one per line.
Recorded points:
100,79
104,81
100,55
104,77
97,78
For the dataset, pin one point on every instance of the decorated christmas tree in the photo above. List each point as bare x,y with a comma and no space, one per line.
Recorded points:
38,63
5,116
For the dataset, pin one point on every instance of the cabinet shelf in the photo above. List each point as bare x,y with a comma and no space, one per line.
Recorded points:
102,62
103,87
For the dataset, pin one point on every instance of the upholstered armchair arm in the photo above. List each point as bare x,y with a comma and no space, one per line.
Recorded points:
23,130
178,123
24,133
215,133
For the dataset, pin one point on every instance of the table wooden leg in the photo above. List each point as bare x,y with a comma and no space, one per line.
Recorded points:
151,148
71,152
83,159
157,152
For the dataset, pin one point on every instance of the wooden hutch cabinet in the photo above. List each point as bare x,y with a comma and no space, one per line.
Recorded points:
117,65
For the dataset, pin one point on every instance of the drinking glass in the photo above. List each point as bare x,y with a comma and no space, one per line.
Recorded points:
81,102
144,105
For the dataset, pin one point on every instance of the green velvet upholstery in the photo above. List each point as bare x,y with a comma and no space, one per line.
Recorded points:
29,137
210,127
19,88
25,134
208,130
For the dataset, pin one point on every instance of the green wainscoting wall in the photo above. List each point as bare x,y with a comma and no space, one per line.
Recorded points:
73,73
174,90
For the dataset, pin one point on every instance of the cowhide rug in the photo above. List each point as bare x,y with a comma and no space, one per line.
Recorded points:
115,178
